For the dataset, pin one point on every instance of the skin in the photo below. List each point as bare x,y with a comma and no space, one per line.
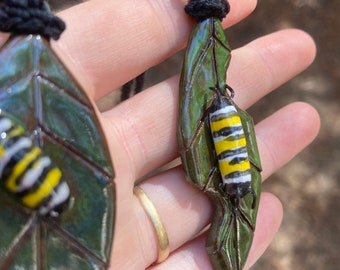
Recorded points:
110,42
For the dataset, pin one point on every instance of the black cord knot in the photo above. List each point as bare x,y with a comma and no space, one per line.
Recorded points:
30,17
204,9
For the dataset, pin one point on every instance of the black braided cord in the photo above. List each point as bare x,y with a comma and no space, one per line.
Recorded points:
204,9
29,17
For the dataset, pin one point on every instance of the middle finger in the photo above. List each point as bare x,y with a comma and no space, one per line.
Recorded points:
151,144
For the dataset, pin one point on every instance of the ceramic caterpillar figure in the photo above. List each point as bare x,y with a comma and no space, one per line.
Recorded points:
231,149
28,174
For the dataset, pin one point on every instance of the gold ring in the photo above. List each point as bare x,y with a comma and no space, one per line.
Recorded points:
163,241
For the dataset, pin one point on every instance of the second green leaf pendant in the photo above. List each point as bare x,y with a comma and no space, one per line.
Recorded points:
51,144
231,176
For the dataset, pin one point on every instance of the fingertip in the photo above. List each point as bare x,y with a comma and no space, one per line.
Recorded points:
292,48
285,133
304,43
268,222
269,203
310,119
305,124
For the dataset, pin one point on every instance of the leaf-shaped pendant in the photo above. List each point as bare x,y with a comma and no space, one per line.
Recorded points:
206,61
39,95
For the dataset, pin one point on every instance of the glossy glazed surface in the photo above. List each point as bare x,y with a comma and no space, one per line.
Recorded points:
206,61
39,94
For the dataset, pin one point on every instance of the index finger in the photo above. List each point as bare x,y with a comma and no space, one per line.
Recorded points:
118,40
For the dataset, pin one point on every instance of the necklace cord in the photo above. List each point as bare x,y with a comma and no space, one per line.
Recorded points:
204,9
30,17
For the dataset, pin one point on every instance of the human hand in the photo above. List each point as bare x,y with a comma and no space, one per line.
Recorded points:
119,40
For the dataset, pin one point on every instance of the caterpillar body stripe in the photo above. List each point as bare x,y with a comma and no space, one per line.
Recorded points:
231,148
29,174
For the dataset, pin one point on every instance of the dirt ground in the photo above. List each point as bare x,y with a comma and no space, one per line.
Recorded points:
308,186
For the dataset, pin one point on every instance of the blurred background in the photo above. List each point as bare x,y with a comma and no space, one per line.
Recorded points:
309,185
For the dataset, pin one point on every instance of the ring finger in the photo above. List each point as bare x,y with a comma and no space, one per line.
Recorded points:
185,210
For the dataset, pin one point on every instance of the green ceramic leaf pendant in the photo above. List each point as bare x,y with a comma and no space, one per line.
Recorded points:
206,61
39,95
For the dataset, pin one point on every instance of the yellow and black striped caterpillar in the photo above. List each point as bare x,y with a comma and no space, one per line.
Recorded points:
28,174
231,148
